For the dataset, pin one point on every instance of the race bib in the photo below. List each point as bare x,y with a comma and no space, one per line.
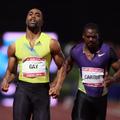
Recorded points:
34,67
92,76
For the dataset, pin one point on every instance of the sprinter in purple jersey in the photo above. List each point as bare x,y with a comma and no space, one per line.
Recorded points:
94,59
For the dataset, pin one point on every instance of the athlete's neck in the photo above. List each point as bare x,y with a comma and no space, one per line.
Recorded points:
91,50
32,35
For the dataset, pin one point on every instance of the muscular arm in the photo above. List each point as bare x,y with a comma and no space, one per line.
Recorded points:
108,80
115,64
116,67
11,69
57,53
59,59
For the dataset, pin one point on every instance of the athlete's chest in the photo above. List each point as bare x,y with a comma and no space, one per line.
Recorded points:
99,59
40,50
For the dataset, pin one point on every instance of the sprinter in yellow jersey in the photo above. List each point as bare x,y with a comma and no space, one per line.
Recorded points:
33,53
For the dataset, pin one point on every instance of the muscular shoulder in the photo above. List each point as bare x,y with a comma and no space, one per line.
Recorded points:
54,46
11,50
111,52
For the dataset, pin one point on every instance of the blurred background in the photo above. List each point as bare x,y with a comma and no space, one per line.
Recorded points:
64,21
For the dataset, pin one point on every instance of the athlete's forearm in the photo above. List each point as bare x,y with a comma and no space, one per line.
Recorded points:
116,76
61,75
9,76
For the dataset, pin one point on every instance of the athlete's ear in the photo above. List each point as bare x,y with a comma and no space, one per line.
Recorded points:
97,36
83,36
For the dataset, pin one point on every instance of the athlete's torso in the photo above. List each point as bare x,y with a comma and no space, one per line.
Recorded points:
92,71
34,62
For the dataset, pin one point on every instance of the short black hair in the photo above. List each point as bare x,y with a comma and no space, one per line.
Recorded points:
91,26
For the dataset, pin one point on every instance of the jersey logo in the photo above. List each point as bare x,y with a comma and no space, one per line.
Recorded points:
100,55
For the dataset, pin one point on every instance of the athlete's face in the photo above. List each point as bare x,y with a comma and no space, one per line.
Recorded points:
34,18
91,37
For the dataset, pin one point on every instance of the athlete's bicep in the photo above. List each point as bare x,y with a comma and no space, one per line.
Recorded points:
57,53
114,61
116,65
12,61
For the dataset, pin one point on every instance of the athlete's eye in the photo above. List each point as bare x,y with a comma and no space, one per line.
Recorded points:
94,37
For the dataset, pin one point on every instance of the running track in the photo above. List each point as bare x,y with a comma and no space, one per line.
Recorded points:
59,112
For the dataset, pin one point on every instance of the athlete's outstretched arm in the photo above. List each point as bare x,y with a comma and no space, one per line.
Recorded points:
11,69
